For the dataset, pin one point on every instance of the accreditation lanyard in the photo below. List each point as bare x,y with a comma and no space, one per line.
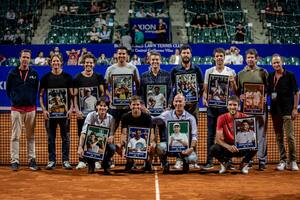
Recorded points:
21,75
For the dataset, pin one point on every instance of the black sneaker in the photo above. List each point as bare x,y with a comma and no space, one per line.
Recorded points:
147,167
32,165
208,166
91,169
66,165
166,169
15,166
107,172
261,167
50,165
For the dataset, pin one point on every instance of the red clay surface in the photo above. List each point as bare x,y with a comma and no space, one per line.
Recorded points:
77,184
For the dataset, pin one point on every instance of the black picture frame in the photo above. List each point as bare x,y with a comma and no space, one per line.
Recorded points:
245,136
218,90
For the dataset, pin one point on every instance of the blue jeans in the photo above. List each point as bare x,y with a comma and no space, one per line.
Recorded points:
212,117
162,152
64,125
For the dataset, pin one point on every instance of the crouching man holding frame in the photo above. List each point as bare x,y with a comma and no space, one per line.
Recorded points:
182,150
101,118
225,147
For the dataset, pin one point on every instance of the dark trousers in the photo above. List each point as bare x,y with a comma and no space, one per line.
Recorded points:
212,117
223,155
64,125
80,123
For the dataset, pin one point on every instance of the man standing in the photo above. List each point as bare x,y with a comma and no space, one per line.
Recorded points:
214,112
254,74
224,149
178,114
122,67
21,88
284,94
59,83
86,80
186,67
137,118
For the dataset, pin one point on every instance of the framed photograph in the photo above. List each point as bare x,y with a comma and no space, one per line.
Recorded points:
218,90
57,102
254,98
95,142
186,84
122,89
245,133
156,97
178,135
137,143
88,97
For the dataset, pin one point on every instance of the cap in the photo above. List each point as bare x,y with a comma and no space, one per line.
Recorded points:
176,124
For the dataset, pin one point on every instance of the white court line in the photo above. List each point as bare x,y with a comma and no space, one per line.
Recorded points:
157,193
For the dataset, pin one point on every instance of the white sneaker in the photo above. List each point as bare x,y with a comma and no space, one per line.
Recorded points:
81,165
178,164
97,165
245,169
222,169
294,166
195,166
281,166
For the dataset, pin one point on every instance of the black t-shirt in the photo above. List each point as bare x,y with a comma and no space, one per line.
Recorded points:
142,121
62,80
94,81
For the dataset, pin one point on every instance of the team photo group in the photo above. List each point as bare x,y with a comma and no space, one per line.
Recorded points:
157,112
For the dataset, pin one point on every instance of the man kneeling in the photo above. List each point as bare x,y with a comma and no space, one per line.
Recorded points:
224,149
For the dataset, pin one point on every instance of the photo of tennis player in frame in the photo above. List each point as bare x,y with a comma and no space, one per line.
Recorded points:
156,97
218,90
87,99
186,84
178,136
57,102
137,143
122,89
95,142
254,98
245,133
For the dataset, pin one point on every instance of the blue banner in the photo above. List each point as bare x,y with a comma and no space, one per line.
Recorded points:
73,70
148,26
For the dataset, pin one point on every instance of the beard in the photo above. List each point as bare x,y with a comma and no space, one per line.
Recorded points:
186,60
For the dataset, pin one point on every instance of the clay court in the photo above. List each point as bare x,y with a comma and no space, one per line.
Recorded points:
77,184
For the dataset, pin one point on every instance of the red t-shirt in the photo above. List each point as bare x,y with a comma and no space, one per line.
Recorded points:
225,124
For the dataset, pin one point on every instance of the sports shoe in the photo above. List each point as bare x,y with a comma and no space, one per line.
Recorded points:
208,166
178,164
222,168
281,166
32,165
15,166
50,165
81,165
245,169
294,166
97,165
185,169
166,169
261,166
112,165
66,165
147,167
250,164
194,166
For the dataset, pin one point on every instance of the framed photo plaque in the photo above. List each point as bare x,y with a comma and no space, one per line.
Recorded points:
245,133
95,142
186,84
254,98
87,99
57,102
122,89
137,143
178,135
156,97
218,90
